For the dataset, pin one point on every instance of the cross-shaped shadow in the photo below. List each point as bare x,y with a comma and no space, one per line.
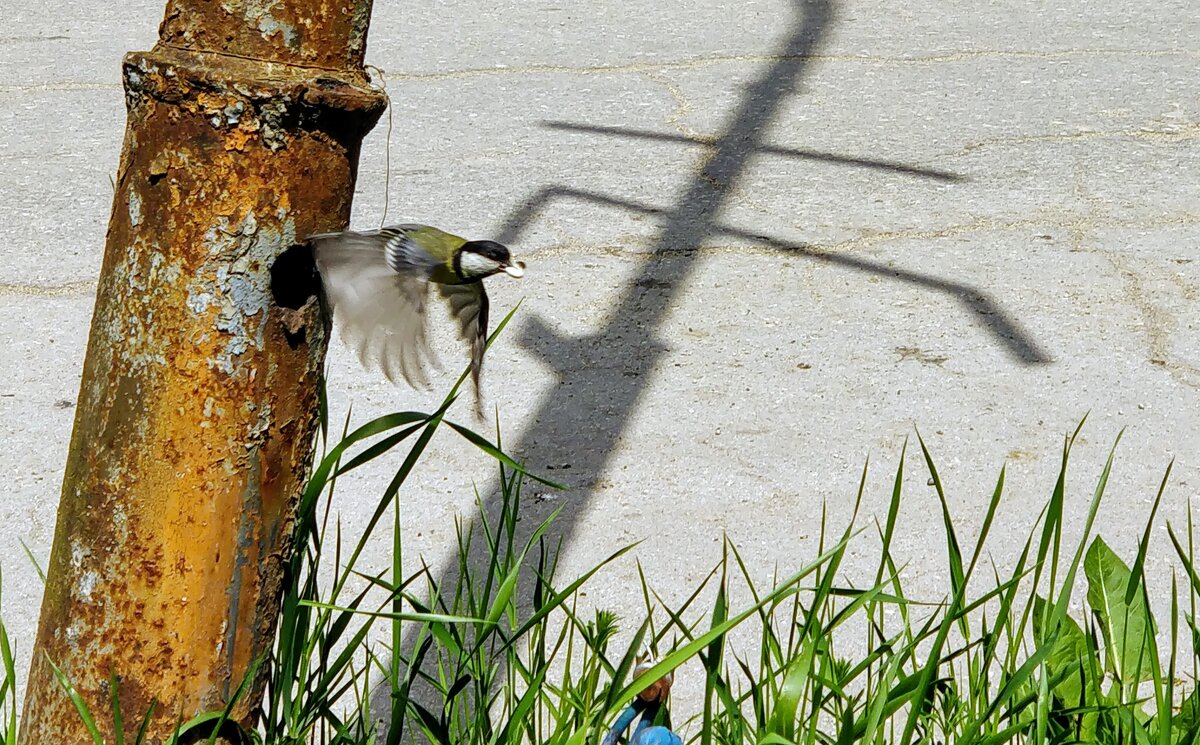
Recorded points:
786,152
603,375
980,303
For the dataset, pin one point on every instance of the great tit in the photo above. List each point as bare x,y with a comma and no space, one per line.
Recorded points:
377,283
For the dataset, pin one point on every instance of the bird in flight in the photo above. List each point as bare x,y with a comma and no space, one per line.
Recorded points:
377,283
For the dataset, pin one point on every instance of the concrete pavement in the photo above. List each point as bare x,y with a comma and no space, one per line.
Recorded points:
765,240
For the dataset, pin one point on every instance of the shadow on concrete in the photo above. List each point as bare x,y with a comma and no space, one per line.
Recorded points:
603,376
817,155
1006,330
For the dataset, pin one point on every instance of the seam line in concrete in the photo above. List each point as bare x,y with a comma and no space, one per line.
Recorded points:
697,63
1074,223
1070,222
1184,132
82,287
65,86
700,62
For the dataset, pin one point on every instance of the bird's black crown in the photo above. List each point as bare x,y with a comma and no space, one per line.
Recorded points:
497,252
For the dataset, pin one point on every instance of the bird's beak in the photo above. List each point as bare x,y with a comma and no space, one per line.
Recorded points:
515,269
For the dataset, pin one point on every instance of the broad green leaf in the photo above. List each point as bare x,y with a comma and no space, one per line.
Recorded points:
1068,659
1187,720
1127,627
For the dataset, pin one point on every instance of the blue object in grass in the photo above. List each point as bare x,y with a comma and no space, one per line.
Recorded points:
656,736
646,732
622,723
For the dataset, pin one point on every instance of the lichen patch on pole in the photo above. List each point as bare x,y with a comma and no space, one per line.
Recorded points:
198,406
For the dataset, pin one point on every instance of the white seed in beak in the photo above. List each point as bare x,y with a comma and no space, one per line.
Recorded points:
515,269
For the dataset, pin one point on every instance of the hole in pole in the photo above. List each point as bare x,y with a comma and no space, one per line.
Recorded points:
294,283
229,733
294,277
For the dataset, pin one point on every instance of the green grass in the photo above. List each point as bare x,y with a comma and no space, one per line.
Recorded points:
503,653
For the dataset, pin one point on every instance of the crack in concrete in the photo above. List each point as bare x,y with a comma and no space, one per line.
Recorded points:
1069,221
675,120
683,107
1157,322
1076,224
1166,134
707,141
1189,291
696,63
924,356
67,289
757,59
58,87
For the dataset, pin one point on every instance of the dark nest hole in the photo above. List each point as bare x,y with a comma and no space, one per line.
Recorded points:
294,278
223,731
294,283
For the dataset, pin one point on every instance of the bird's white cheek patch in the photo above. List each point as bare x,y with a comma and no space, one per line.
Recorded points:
474,265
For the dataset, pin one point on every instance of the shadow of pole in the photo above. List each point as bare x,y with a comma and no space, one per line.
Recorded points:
602,376
786,152
582,418
980,303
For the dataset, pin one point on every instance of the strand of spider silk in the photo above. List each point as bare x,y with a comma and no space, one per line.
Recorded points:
387,145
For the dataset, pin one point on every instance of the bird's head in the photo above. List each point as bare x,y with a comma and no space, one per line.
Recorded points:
479,259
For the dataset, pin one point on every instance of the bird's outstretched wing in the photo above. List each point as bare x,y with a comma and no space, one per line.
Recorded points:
469,306
377,284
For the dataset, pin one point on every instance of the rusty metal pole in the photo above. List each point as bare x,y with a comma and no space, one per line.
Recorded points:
198,405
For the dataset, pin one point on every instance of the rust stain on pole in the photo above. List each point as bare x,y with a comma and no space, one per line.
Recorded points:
331,34
198,405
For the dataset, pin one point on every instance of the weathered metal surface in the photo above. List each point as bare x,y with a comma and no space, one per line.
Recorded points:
331,34
198,405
